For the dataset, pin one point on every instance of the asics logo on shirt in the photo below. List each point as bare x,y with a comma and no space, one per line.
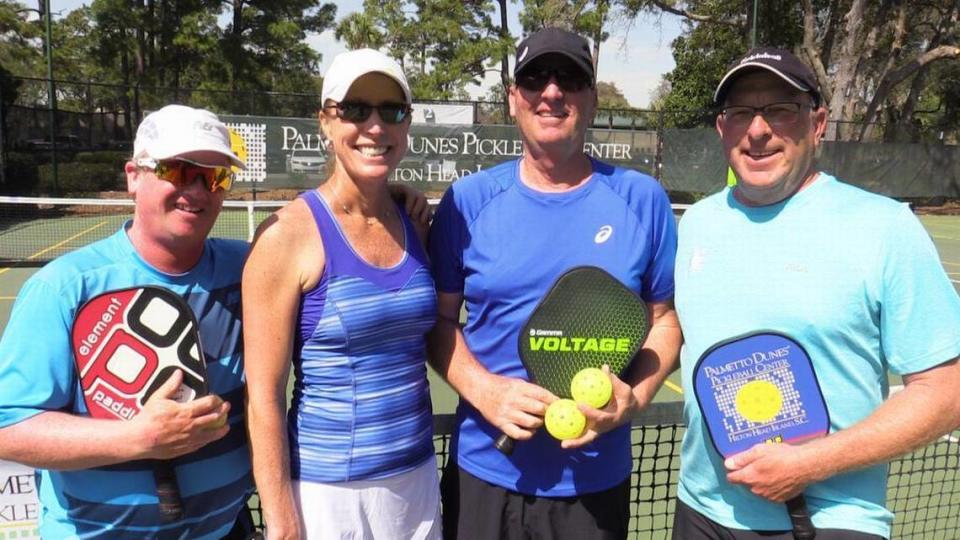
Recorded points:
603,234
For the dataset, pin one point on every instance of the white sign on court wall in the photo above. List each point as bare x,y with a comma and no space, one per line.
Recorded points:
443,113
19,507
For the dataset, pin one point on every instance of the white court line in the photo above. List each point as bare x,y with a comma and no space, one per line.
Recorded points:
671,385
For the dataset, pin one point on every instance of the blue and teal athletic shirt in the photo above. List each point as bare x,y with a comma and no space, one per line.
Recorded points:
502,245
361,403
37,374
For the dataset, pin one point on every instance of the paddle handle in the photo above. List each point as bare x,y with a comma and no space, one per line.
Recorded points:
168,491
803,528
504,444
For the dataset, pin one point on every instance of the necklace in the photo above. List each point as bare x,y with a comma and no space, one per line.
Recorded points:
383,215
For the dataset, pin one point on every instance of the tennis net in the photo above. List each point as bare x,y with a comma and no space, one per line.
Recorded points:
36,230
39,229
923,489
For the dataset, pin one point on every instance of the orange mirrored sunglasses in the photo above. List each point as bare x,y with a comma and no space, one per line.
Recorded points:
182,172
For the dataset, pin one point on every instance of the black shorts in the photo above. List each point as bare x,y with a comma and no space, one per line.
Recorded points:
244,528
474,509
688,524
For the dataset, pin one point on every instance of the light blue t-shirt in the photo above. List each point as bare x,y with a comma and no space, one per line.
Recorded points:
502,245
856,280
37,374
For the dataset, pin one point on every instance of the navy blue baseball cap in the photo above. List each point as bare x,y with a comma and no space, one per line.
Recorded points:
555,41
780,62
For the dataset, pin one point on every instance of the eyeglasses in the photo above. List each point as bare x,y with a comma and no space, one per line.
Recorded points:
569,80
775,114
183,172
357,111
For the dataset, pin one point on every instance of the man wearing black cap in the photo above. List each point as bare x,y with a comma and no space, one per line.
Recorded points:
500,238
850,275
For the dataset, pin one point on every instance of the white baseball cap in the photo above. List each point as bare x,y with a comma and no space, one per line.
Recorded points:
175,130
349,66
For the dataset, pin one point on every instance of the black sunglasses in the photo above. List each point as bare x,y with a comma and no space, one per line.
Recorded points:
357,111
569,80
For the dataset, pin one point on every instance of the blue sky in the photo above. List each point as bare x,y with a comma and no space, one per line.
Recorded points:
634,57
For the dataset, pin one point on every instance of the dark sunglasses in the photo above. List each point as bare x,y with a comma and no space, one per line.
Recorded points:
569,80
181,172
357,111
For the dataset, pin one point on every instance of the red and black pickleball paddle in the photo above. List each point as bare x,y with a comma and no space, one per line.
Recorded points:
587,319
126,344
761,388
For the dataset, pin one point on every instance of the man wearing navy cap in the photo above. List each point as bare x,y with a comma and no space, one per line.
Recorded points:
499,239
851,275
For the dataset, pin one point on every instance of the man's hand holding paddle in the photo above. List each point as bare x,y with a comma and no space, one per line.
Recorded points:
772,471
514,405
166,429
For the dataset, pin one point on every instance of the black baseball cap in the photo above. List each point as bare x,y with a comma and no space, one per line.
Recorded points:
780,62
554,41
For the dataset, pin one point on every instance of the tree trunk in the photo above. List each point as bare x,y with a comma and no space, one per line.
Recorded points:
236,34
140,54
830,35
898,75
125,96
896,47
817,63
603,6
847,62
906,130
504,61
140,60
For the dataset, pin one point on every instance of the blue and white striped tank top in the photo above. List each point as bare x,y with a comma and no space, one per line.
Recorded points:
361,403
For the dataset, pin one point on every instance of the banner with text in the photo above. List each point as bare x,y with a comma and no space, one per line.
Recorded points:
19,507
284,153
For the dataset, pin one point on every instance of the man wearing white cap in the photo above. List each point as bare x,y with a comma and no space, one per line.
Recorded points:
94,476
852,276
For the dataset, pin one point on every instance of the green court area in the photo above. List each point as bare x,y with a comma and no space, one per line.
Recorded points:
924,487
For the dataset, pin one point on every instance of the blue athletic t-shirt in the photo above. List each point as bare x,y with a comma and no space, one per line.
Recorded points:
502,245
856,280
37,374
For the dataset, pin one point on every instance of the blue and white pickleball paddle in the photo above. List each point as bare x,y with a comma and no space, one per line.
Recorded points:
761,388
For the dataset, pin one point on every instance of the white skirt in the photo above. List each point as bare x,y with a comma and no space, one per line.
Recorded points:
401,507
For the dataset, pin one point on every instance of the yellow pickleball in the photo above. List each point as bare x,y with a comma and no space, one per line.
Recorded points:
759,401
564,419
217,424
591,386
